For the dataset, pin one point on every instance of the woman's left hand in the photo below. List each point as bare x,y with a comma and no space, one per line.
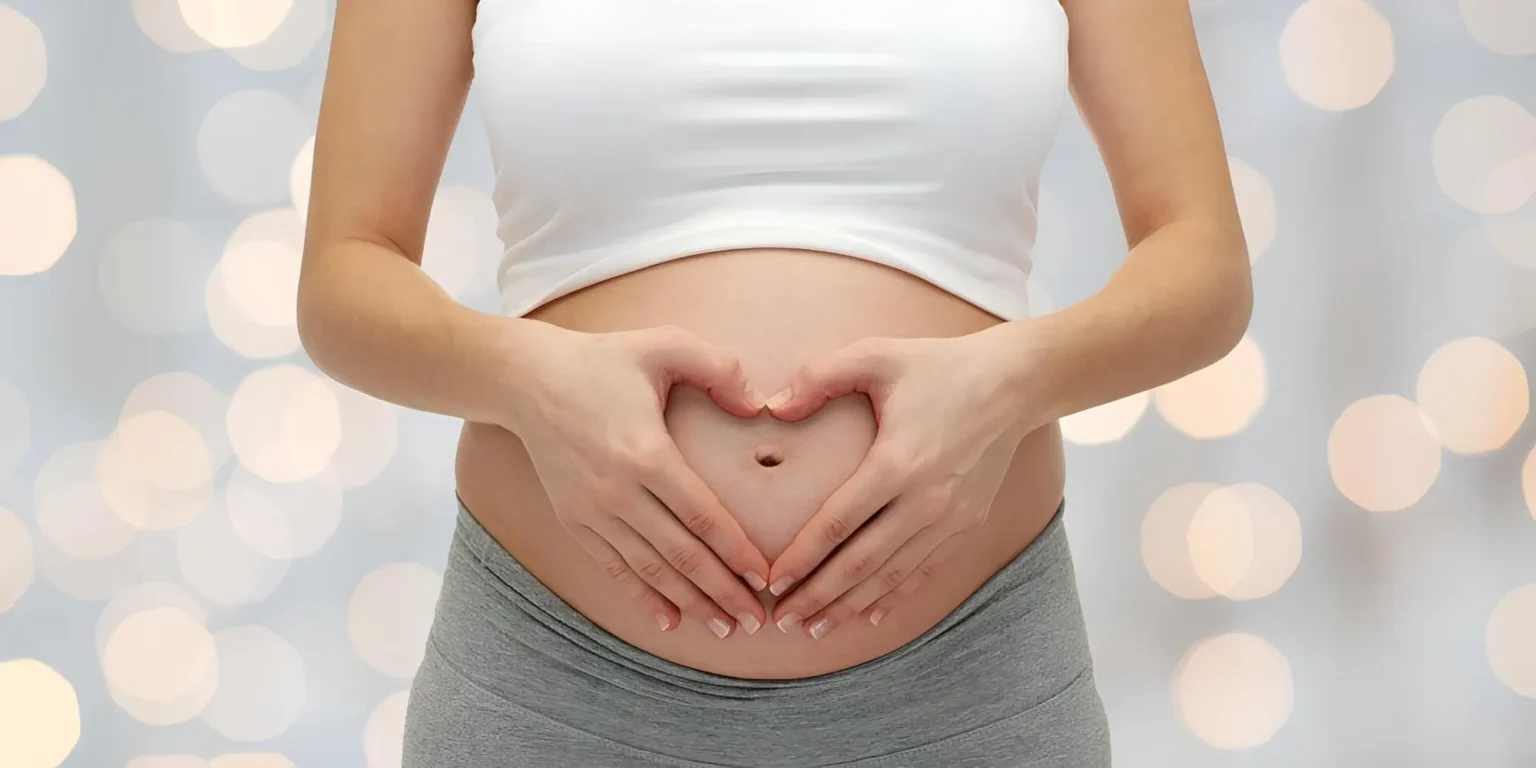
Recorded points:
949,419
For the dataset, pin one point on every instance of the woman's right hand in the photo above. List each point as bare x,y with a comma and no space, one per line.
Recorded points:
589,410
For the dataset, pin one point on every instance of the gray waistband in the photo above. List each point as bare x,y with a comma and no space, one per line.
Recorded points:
1030,599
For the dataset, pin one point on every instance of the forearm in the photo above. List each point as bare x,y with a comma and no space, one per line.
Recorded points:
374,321
1180,301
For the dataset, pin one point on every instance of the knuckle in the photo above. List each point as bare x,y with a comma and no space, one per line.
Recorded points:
651,570
617,570
835,530
607,499
687,560
892,577
698,522
858,566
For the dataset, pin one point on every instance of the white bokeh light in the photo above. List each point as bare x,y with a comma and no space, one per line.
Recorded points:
384,735
70,509
1218,400
1528,481
292,41
1506,27
461,244
167,761
390,614
277,232
190,398
1105,423
155,471
1513,234
161,22
23,62
1165,543
299,176
234,23
284,520
370,435
37,215
1244,541
143,597
150,275
39,715
217,562
1233,691
1510,640
1476,393
247,142
1384,453
250,760
1336,54
261,279
15,427
1474,147
284,423
1255,207
17,567
262,685
158,654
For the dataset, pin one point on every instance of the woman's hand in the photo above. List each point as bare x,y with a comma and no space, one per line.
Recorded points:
589,412
948,424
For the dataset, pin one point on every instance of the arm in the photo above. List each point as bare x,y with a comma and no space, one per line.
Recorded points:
1183,295
588,407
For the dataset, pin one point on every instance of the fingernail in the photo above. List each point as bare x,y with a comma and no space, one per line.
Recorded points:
748,622
819,627
756,398
719,627
874,618
781,585
757,582
661,620
789,620
780,399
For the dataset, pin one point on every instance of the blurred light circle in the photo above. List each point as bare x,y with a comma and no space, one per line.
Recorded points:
299,178
1220,399
158,654
1165,540
291,42
284,520
1476,393
15,427
1255,207
150,273
246,143
1276,531
1513,234
1336,54
99,578
142,597
1476,144
250,760
155,471
389,615
234,328
167,761
370,435
1528,481
262,686
71,512
1221,541
1506,27
261,278
1484,294
37,215
39,715
161,22
220,565
191,399
234,23
1233,691
1383,453
23,62
461,239
1510,640
17,569
384,735
284,423
1105,423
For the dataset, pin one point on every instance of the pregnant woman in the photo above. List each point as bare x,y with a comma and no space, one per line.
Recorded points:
761,464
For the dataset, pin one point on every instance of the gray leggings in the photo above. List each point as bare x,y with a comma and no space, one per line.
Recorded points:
513,676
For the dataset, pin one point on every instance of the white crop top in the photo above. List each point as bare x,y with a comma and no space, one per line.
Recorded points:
911,133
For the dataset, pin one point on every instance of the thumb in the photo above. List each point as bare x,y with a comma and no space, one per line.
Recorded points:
687,359
858,367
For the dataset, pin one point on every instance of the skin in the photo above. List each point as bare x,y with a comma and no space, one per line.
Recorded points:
949,411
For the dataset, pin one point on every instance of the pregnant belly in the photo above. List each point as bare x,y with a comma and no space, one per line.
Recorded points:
777,309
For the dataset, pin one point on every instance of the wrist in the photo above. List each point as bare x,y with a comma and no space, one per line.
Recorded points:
1030,385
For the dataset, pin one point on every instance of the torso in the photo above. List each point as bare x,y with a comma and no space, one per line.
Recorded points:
778,309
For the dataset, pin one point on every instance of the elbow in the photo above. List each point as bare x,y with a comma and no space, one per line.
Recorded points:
313,325
1230,306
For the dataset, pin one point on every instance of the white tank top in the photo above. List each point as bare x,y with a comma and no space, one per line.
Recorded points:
911,133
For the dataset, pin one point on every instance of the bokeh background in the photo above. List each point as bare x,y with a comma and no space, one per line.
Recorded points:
1319,551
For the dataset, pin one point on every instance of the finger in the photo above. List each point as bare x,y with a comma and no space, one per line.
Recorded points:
920,575
893,573
854,368
686,359
651,566
693,504
865,555
665,612
873,485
